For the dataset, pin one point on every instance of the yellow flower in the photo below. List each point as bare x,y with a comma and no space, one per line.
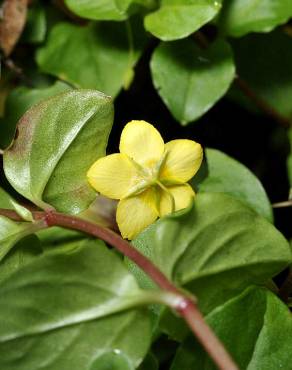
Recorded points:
147,176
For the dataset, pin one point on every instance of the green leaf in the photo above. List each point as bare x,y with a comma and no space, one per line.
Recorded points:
100,9
119,341
12,232
109,50
57,142
24,252
239,17
36,25
176,19
57,237
190,80
256,328
19,101
226,175
271,74
58,311
215,249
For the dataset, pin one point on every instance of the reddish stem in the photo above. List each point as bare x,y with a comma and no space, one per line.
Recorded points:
259,102
186,308
110,237
205,335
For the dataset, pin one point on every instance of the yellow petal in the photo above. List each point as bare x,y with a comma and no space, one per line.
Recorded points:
112,176
142,142
134,214
182,194
183,159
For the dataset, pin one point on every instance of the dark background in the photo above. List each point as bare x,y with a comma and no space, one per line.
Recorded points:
256,140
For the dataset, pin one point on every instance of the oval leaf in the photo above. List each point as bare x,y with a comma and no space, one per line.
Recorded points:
107,54
239,17
176,19
190,80
219,242
100,9
57,142
226,175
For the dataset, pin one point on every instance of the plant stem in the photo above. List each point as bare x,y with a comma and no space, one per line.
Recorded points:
205,335
287,203
110,237
185,306
260,103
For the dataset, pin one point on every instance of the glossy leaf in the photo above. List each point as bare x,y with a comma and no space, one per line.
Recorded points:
226,175
119,340
100,9
19,101
256,328
271,74
109,50
239,17
72,296
216,248
176,19
57,142
190,80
